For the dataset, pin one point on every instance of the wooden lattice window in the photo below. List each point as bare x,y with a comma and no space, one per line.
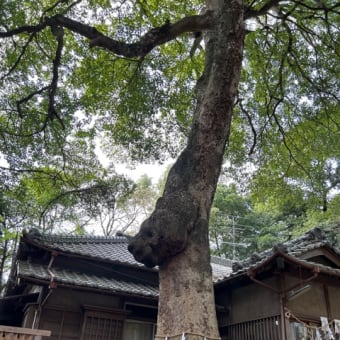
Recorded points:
266,328
64,325
99,325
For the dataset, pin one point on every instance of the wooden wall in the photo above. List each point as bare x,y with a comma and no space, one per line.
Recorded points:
313,302
246,308
64,310
254,302
75,299
334,298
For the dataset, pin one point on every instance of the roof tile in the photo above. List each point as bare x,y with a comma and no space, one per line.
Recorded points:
112,249
33,270
313,239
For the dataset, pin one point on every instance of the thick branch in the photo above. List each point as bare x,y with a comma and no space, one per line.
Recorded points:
270,4
24,29
150,40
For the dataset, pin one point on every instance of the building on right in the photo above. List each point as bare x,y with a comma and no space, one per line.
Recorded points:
291,292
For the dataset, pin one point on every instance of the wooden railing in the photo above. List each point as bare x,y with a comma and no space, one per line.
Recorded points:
19,333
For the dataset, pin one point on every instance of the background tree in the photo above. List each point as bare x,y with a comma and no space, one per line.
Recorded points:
63,197
8,236
128,210
140,91
243,223
53,201
229,227
239,227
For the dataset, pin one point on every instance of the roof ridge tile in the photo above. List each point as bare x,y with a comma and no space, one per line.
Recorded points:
313,238
36,235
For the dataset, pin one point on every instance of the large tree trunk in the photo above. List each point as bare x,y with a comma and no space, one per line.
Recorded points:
175,237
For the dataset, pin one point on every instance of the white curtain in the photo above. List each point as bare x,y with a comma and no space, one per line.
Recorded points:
135,330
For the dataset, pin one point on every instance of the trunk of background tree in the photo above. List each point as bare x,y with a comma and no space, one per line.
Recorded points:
186,302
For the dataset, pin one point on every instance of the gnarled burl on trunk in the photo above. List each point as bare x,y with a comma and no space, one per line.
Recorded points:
165,233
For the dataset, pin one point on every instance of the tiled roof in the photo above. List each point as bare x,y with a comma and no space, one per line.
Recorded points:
323,268
114,249
313,239
30,270
111,249
108,249
220,267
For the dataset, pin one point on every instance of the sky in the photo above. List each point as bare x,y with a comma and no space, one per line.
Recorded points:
154,171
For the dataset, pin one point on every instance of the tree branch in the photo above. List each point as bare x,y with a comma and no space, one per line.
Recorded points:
321,6
251,13
58,32
51,8
149,41
253,130
23,51
155,37
55,175
28,98
285,142
24,29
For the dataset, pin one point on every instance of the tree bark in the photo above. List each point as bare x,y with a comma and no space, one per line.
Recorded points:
175,237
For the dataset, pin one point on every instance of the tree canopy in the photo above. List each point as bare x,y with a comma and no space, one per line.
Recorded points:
139,98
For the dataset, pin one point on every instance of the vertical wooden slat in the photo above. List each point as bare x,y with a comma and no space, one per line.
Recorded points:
265,323
110,327
104,335
97,328
101,328
61,326
268,328
262,329
258,329
91,325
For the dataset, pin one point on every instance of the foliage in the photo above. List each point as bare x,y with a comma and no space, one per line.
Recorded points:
237,229
8,236
128,211
60,93
286,123
241,225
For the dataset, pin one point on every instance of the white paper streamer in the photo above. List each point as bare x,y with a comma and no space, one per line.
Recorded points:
337,326
325,327
318,336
